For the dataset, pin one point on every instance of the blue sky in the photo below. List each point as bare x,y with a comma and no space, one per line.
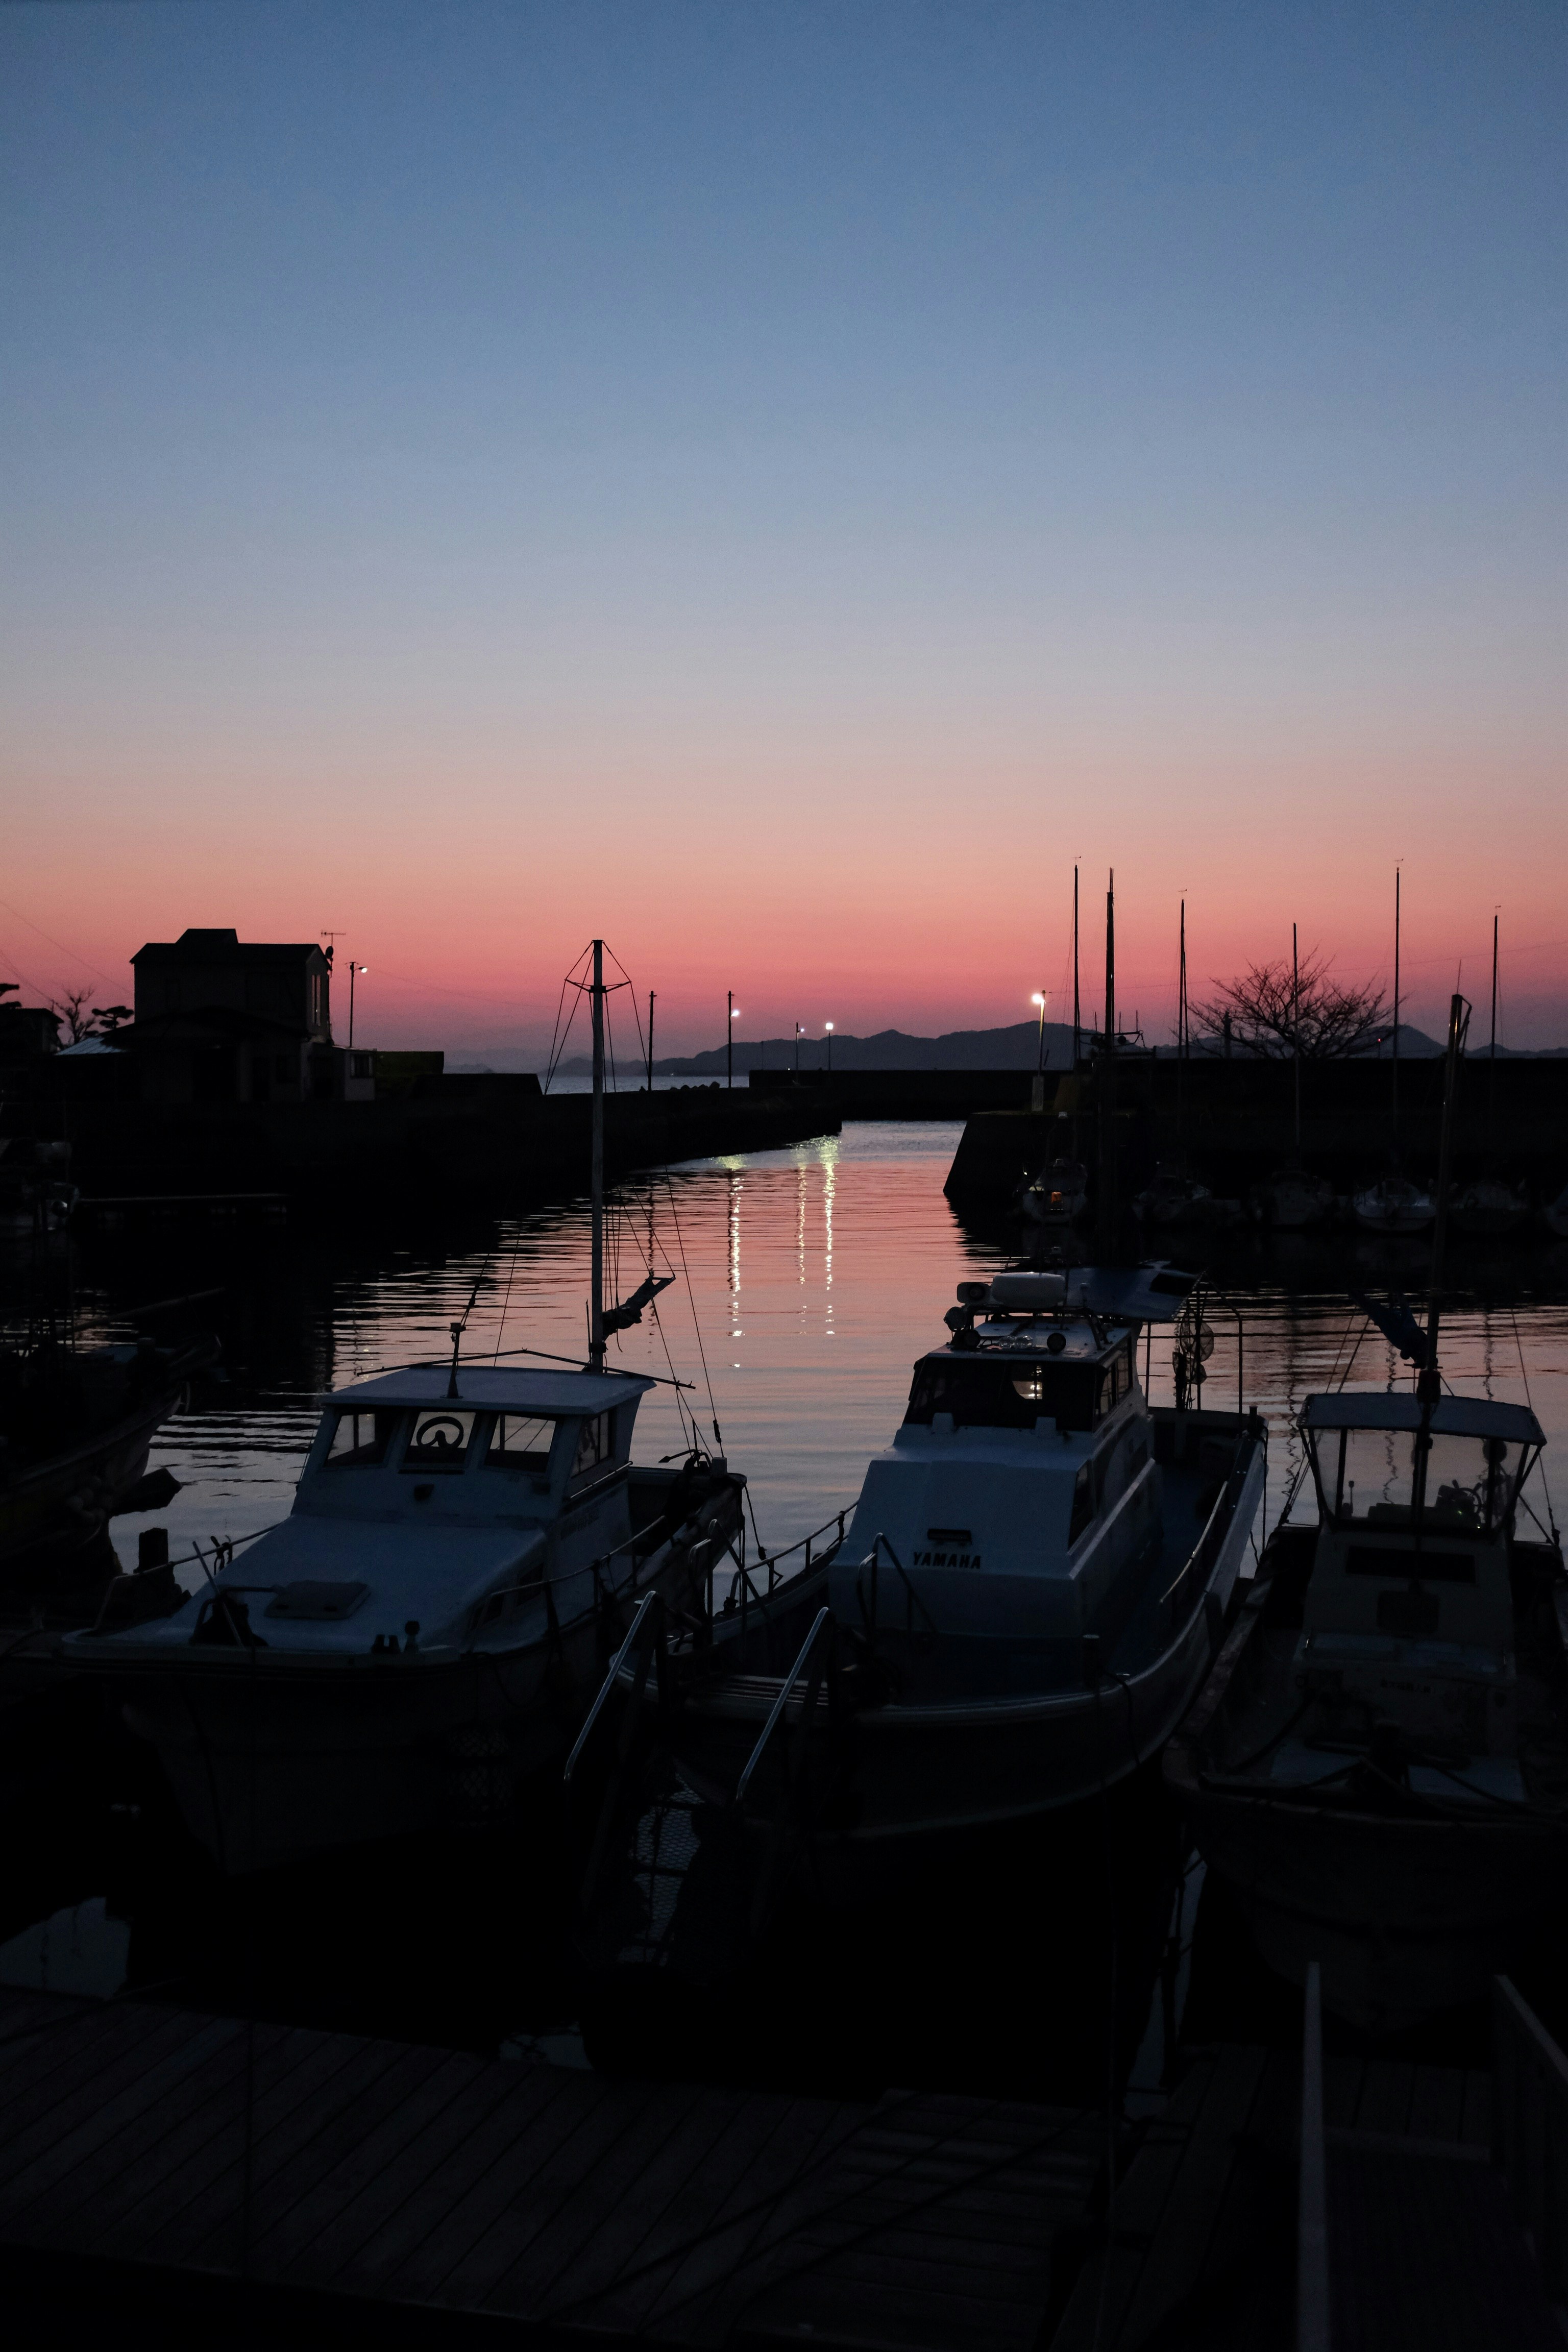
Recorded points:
637,445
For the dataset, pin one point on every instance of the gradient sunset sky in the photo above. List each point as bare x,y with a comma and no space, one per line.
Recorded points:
773,484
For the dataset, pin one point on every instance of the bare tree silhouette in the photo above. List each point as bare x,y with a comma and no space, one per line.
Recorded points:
1280,1013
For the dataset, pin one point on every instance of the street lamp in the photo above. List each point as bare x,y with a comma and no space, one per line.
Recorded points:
799,1034
352,969
730,1038
1042,998
829,1028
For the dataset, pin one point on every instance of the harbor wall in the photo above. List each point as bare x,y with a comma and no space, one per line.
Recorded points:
442,1139
1231,1124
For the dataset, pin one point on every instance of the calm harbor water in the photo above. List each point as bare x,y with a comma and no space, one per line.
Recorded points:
806,1282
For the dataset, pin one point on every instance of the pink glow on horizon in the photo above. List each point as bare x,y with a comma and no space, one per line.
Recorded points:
928,900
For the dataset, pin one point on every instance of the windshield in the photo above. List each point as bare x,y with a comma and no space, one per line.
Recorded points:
1013,1393
1384,1478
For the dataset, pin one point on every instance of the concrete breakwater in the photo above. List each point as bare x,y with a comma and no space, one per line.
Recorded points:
1232,1123
452,1138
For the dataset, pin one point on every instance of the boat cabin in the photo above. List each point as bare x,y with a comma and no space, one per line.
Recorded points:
1409,1608
1019,1491
511,1444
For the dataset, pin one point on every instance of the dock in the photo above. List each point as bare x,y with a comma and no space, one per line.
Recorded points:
161,2157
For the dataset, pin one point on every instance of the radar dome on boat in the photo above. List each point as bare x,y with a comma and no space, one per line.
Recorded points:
1036,1290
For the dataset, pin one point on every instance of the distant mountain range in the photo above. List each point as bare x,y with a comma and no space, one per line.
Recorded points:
1013,1048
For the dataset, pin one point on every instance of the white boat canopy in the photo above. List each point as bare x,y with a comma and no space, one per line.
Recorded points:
494,1388
1452,1416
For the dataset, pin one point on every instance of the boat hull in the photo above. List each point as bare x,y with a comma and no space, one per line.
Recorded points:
273,1756
917,1771
1406,1917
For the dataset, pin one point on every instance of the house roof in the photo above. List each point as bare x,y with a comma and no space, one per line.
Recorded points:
224,946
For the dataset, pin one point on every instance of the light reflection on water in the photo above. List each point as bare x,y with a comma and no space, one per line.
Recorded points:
807,1281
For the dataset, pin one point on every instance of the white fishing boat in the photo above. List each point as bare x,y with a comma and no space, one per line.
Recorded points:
430,1620
1395,1205
1378,1764
1377,1767
1031,1593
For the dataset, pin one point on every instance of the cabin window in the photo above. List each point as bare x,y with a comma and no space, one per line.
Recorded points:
361,1439
439,1443
1458,1485
1003,1395
1116,1378
519,1440
1082,1503
595,1445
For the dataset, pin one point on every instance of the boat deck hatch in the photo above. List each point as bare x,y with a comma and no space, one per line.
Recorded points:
310,1599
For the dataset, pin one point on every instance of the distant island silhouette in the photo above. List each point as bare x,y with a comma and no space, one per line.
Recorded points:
1015,1047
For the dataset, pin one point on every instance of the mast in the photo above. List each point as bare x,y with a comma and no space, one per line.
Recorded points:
1295,1033
1430,1387
1076,1015
1105,1088
1181,1019
596,1182
1491,1074
1396,1008
651,997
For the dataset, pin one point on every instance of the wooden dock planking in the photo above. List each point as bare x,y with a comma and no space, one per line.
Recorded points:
392,2173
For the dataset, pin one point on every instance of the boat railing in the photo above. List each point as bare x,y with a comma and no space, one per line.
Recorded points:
643,1651
802,1792
1529,2130
1179,1594
744,1594
871,1617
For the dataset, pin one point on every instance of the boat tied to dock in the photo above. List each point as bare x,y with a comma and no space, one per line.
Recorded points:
1027,1600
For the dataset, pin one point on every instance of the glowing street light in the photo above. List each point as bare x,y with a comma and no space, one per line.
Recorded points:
353,968
730,1037
1042,998
828,1026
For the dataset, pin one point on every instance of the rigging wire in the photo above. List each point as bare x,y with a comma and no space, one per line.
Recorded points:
692,1301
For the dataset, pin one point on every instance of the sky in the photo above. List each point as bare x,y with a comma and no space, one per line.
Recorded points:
774,485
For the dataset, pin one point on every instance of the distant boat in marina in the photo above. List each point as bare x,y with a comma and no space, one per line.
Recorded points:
1293,1198
1057,1196
1395,1205
1172,1202
1489,1206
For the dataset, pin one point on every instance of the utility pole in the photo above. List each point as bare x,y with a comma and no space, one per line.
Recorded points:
651,998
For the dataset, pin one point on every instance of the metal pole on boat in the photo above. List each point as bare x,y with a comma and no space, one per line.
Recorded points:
1430,1387
651,997
596,1179
729,1037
